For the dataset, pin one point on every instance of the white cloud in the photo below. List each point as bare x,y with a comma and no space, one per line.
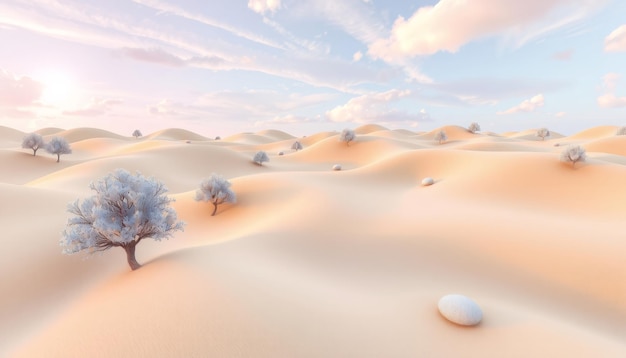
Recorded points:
97,107
262,6
375,108
529,105
450,24
609,99
616,41
357,56
560,114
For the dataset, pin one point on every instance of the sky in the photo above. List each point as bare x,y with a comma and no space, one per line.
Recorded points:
305,66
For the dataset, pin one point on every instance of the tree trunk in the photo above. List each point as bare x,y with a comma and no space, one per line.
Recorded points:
35,151
130,256
214,209
58,157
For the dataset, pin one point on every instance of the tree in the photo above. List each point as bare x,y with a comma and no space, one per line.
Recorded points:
33,141
260,157
347,135
125,210
441,136
216,190
474,127
137,133
58,146
621,131
543,133
296,145
573,154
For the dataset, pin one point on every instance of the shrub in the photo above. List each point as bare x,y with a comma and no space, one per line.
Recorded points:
347,135
216,190
260,157
621,131
58,146
473,127
125,210
573,154
137,133
33,141
441,136
543,133
296,145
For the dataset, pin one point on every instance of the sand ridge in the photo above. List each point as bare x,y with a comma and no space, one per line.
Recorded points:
312,262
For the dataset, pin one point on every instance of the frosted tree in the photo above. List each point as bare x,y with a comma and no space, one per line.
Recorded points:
573,154
33,141
441,136
474,127
125,210
137,133
621,131
296,145
347,135
543,133
216,190
58,146
260,157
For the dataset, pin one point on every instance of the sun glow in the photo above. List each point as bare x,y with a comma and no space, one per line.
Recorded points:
59,88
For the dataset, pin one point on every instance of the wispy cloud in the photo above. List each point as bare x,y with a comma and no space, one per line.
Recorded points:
450,24
529,105
609,99
616,40
97,107
154,55
263,6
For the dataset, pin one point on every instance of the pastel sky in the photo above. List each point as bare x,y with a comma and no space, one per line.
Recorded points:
303,66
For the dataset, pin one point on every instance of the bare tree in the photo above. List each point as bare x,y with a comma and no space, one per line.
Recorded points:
125,210
260,157
573,154
137,133
543,133
33,141
441,136
58,146
474,127
216,190
296,145
347,135
621,131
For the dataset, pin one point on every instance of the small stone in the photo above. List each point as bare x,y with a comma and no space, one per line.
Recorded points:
428,181
460,309
337,167
281,153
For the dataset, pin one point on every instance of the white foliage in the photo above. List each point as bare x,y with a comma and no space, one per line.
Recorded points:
58,146
260,157
137,133
347,135
474,127
543,133
573,154
216,190
33,141
441,136
337,167
621,131
125,209
296,146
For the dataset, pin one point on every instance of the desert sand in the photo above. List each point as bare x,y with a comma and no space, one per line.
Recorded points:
312,262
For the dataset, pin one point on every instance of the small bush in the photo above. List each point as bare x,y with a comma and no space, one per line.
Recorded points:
573,154
260,157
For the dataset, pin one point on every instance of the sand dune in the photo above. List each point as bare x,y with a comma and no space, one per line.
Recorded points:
312,262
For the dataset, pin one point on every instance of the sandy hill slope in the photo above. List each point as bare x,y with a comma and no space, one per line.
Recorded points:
311,262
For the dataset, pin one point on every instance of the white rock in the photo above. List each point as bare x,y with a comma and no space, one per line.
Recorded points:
337,167
460,310
428,181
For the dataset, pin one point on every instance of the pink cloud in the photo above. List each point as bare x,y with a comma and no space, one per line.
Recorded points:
529,105
609,99
154,55
616,41
375,107
450,24
96,107
18,91
563,55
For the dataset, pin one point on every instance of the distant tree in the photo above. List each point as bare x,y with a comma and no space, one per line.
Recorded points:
543,133
573,154
441,136
58,146
137,133
296,145
621,131
218,138
260,157
216,190
347,135
33,141
474,127
125,210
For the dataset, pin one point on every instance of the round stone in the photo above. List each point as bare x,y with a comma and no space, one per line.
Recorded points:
337,167
428,181
281,153
460,310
